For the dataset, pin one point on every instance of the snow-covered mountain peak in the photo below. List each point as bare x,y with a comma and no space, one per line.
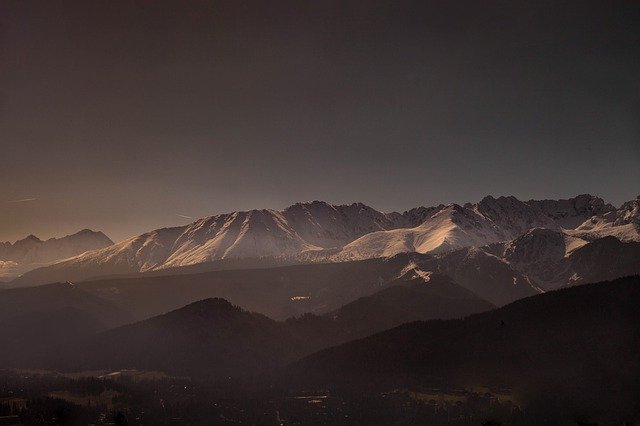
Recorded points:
319,231
32,252
629,212
623,224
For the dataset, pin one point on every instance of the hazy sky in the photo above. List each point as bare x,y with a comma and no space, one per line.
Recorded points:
123,115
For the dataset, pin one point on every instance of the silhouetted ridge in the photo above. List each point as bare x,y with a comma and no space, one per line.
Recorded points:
35,319
576,348
402,303
48,297
208,307
210,337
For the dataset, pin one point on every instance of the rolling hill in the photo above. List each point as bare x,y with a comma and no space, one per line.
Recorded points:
214,338
581,342
209,338
35,319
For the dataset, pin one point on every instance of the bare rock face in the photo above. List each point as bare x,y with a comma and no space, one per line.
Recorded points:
574,211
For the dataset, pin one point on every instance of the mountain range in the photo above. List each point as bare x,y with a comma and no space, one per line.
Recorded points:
31,252
317,232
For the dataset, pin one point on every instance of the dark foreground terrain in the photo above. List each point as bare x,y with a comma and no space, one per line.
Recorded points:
570,356
135,398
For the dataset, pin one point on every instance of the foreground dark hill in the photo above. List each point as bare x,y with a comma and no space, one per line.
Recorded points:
408,301
214,338
206,338
58,296
34,319
31,335
405,300
577,348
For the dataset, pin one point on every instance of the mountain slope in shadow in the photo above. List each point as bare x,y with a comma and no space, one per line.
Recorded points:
279,293
575,349
210,338
214,338
34,319
53,297
409,298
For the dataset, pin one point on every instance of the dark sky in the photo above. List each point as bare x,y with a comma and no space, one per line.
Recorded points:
120,115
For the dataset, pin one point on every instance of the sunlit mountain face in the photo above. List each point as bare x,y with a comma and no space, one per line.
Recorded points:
319,213
527,247
31,252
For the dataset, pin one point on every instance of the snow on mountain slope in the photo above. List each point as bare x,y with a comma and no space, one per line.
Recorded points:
303,228
320,232
629,212
141,253
31,252
486,275
623,223
451,228
598,228
252,234
552,259
540,254
327,226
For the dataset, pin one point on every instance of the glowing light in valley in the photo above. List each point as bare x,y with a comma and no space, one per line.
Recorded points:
297,298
